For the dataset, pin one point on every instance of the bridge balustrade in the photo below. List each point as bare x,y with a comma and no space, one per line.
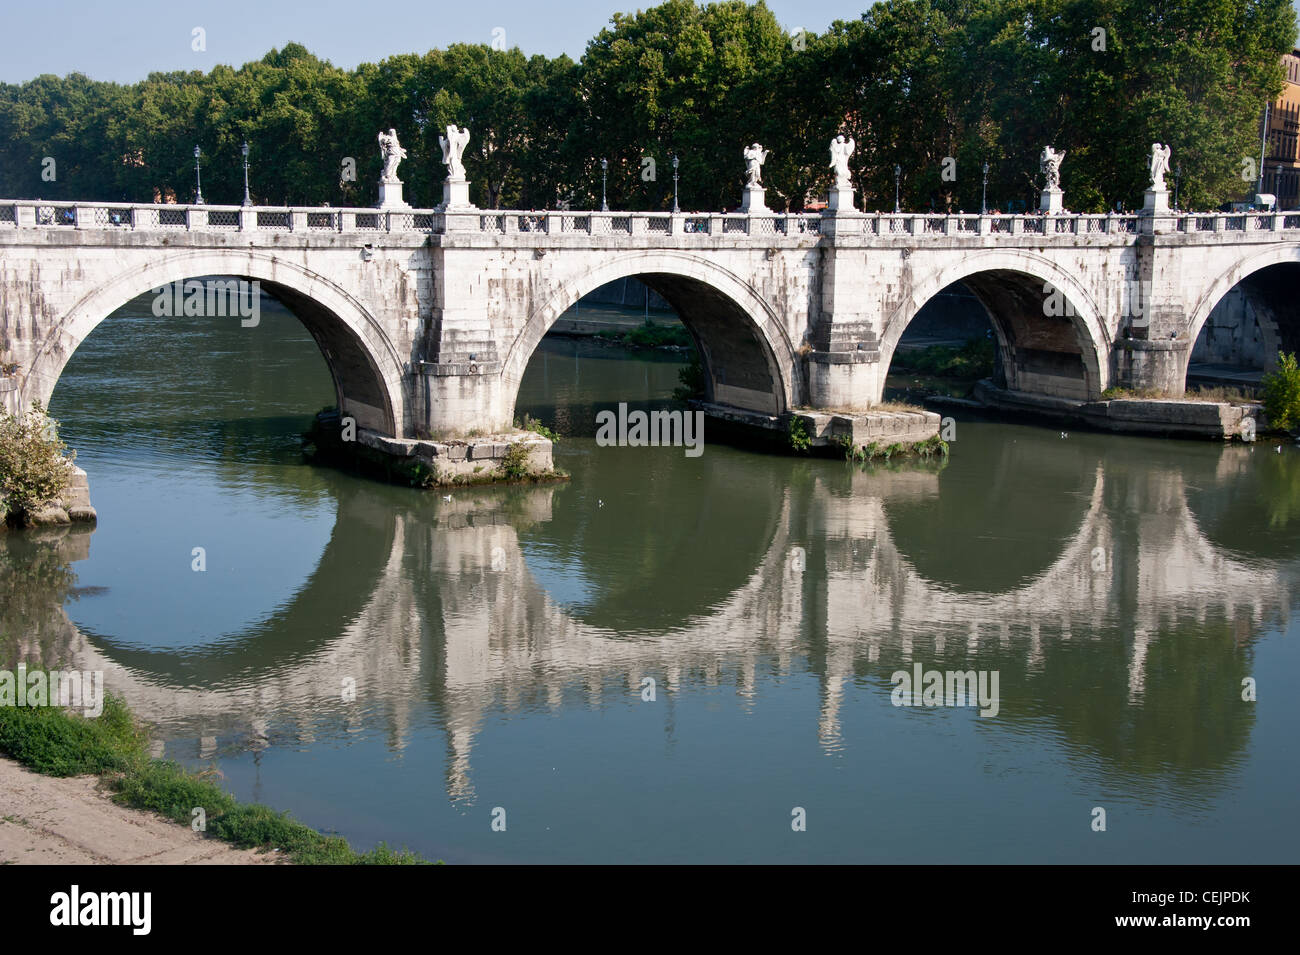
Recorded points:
16,214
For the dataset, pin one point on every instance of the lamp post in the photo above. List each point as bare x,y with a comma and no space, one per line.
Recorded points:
984,195
198,179
1178,177
898,171
604,173
244,149
675,164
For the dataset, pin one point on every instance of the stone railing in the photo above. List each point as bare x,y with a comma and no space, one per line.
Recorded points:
20,214
649,223
1235,221
970,224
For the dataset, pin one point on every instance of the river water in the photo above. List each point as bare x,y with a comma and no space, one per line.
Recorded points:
501,646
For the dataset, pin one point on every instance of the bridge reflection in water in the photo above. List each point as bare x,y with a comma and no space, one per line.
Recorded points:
1128,646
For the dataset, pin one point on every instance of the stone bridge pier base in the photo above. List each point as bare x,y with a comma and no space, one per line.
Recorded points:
1154,365
455,400
844,380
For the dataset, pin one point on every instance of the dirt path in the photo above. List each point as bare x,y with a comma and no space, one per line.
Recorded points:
49,821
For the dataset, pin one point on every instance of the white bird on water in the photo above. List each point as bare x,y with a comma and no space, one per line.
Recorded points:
447,498
599,502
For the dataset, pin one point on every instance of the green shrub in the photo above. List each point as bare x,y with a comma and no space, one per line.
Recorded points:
800,440
1282,393
692,380
532,424
34,461
653,336
514,465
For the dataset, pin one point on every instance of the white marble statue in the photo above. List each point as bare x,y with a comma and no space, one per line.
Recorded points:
841,150
1159,166
392,152
1050,163
453,144
755,156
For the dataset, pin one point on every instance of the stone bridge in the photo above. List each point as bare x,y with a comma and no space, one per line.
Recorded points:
427,319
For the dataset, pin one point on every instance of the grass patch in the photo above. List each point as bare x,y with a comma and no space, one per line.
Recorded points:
58,742
1208,394
55,742
931,447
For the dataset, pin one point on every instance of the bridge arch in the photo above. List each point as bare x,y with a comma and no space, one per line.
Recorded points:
1013,285
1269,279
747,355
367,371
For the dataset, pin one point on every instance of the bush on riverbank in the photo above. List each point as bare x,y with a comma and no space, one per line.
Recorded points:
973,360
35,464
691,377
650,336
1282,393
58,742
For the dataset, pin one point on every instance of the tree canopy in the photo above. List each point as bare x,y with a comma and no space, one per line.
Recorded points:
935,87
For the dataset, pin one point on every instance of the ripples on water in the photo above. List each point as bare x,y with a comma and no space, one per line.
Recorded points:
499,643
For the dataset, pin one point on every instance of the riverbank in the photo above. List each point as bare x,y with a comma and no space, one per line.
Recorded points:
73,821
1187,417
79,789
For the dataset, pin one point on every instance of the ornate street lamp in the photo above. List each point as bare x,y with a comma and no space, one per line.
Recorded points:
604,173
198,179
984,196
1178,176
244,150
898,171
675,208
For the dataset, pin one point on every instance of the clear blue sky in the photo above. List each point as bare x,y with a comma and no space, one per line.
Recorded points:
125,41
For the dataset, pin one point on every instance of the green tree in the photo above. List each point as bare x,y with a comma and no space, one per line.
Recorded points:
1282,393
676,79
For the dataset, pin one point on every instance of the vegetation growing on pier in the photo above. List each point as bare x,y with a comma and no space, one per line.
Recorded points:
34,463
932,447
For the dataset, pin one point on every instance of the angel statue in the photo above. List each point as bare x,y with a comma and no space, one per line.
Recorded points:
841,150
1159,166
453,144
1050,163
755,156
392,152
